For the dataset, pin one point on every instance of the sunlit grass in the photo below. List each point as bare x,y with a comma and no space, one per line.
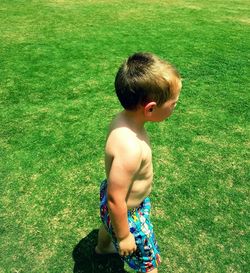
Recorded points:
58,61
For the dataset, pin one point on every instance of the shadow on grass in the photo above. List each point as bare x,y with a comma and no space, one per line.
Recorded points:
87,262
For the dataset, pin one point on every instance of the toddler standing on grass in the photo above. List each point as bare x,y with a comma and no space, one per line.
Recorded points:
148,88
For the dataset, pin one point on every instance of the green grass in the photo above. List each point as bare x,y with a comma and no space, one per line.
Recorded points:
57,65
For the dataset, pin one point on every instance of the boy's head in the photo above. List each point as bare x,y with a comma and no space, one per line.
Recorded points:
144,78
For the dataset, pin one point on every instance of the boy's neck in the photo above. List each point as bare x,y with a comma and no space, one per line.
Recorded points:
135,119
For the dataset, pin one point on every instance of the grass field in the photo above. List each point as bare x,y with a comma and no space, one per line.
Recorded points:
57,65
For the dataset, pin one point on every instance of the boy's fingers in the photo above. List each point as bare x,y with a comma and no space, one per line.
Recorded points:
126,253
132,251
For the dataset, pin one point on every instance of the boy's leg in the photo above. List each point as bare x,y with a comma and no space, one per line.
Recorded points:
105,257
104,244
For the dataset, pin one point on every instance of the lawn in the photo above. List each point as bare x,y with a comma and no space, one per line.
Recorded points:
58,60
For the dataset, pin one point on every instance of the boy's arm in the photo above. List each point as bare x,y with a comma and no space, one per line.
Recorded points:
126,163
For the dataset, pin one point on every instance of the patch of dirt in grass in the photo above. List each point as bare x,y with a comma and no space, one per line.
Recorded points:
204,139
245,21
59,2
45,253
19,35
184,4
160,213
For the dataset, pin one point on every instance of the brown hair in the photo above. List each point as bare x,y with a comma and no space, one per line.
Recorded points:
144,77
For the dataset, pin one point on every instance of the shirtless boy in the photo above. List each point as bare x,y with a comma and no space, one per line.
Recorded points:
148,88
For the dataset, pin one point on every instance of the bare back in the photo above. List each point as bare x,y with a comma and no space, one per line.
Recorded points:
121,139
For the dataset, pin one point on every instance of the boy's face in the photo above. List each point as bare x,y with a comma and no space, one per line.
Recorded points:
160,113
165,110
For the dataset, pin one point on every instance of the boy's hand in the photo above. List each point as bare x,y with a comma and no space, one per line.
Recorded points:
127,245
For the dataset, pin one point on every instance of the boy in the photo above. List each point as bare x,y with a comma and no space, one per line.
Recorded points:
148,89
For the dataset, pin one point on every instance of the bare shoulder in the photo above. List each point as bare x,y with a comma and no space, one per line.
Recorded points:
122,140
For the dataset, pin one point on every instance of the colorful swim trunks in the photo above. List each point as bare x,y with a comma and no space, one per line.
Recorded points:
147,256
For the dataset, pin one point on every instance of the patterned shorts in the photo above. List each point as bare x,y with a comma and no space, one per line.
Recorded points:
147,257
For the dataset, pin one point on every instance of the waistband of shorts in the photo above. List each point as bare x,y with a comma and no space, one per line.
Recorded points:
141,206
132,210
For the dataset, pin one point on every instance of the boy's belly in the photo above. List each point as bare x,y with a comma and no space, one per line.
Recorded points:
139,191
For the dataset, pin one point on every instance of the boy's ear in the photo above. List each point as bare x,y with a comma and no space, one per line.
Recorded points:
149,108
